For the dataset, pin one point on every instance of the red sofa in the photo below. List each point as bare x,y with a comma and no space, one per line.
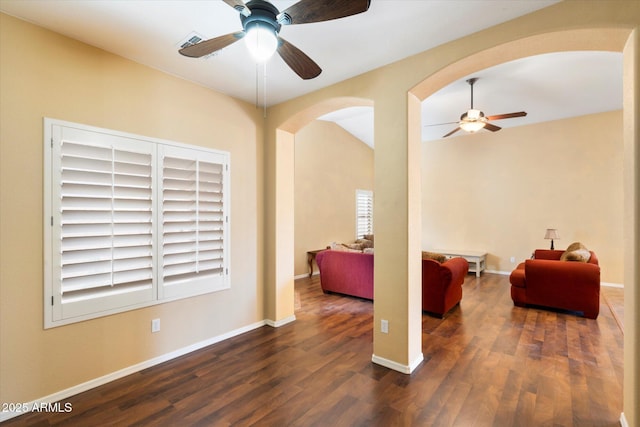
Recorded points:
351,273
548,282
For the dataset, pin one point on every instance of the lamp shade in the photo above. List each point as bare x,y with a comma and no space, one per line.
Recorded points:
551,233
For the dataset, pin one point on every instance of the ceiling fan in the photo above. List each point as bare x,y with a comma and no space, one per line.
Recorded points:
473,120
261,24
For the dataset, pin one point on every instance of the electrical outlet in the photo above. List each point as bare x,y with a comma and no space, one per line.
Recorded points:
512,259
155,325
384,326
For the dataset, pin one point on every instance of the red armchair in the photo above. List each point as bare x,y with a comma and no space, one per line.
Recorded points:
442,284
546,281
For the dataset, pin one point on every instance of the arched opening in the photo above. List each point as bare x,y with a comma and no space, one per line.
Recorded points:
280,297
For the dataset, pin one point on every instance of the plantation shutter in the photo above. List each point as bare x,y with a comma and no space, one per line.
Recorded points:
130,221
194,218
364,213
104,246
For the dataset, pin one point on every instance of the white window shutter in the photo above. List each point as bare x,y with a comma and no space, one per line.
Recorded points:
364,213
194,222
103,245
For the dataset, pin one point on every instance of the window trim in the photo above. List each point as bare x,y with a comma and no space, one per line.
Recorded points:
53,133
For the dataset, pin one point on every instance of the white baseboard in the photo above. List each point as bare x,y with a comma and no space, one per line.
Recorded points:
282,322
612,285
405,369
502,273
623,420
96,382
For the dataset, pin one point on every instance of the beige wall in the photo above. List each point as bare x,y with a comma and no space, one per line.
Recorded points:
499,192
44,74
330,165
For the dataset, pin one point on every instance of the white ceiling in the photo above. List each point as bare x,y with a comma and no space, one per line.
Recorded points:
150,32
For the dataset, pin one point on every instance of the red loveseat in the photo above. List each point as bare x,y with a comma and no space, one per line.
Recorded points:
351,273
548,282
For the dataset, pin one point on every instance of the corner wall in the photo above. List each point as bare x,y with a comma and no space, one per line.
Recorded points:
49,75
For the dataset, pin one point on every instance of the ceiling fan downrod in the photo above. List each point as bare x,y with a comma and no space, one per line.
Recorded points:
471,81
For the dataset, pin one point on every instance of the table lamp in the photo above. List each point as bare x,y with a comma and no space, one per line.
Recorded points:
551,233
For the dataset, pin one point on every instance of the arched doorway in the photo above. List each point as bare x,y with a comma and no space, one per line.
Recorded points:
620,40
280,297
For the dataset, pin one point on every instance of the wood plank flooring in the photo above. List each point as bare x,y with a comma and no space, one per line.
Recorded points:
487,363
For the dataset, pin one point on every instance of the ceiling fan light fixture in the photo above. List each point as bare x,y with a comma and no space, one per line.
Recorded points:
472,121
472,127
261,40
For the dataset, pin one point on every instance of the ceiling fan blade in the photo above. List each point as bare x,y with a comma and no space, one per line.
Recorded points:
209,46
507,116
239,6
307,11
492,128
452,132
299,62
439,124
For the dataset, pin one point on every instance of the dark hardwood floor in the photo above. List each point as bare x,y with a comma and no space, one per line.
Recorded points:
487,363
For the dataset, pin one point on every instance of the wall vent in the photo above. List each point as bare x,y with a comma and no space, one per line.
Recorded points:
193,39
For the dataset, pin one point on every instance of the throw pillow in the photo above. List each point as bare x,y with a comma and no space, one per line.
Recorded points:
354,246
576,252
366,243
580,255
434,256
575,246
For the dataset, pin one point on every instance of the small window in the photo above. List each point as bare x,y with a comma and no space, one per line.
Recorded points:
129,222
364,213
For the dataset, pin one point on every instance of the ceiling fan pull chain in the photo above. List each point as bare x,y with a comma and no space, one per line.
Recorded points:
265,90
257,85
